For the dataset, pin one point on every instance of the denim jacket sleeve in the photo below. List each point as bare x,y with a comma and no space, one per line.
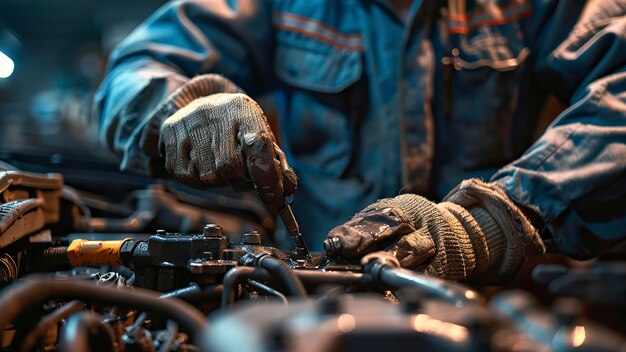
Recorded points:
574,176
179,41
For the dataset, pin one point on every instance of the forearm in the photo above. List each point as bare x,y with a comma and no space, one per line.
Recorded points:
478,233
180,41
574,179
573,176
127,101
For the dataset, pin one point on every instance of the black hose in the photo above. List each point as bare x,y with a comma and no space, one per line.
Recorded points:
272,268
282,272
237,275
35,335
85,331
17,298
127,273
240,274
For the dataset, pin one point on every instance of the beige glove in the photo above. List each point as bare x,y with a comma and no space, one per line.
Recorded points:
198,87
224,139
476,233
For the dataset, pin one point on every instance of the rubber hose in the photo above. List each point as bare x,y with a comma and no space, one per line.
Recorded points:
17,298
237,275
282,272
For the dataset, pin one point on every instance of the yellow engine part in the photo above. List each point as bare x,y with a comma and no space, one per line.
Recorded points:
85,252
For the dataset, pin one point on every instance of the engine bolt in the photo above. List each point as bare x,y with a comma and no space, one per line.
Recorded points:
212,230
252,237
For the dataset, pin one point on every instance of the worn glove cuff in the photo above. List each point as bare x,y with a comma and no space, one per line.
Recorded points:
489,205
475,234
202,86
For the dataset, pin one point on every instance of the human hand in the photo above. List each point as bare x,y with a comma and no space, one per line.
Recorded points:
477,233
224,139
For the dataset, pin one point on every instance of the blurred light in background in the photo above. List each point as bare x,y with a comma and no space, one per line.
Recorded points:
6,66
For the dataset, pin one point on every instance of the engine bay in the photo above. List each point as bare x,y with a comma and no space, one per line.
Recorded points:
172,271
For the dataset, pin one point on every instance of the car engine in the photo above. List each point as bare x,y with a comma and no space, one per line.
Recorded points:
168,270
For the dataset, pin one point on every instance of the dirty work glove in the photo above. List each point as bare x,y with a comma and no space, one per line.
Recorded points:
198,87
476,233
224,139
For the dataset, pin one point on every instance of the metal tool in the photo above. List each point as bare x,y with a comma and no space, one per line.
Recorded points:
266,165
286,214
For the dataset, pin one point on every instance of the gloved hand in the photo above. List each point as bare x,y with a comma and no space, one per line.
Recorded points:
224,139
477,233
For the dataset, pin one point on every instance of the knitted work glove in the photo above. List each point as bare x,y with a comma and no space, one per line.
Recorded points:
198,87
476,233
224,139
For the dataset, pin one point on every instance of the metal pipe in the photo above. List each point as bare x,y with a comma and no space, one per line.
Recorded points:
447,290
269,290
196,294
172,331
333,277
237,275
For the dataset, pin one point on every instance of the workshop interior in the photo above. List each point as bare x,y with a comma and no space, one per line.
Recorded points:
97,257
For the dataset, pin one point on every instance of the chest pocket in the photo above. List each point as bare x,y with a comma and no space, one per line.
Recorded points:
314,56
483,73
317,64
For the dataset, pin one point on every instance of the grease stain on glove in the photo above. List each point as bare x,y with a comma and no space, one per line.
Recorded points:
379,229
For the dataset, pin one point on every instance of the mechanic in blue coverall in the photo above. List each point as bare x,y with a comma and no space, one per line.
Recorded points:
387,105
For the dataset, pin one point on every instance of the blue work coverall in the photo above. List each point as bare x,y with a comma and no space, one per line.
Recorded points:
372,105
